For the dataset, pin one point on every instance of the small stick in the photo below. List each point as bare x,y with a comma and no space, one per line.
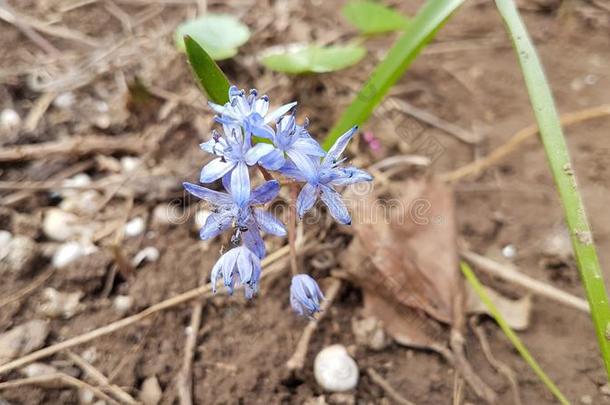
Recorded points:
459,133
77,145
204,290
184,383
58,377
297,361
292,231
500,367
510,274
37,111
387,388
101,379
8,14
504,150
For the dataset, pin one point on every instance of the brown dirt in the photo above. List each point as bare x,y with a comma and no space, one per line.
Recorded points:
243,346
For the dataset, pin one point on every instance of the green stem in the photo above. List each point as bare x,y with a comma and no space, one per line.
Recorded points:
563,173
510,334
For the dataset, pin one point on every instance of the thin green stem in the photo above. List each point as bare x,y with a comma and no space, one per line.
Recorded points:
563,173
510,334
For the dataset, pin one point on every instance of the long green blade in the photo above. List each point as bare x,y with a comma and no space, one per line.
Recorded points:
510,334
421,30
213,81
563,173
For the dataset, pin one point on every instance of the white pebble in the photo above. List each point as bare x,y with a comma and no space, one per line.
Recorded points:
60,225
64,100
509,251
122,303
69,252
150,393
134,227
129,164
9,120
37,370
85,396
335,370
17,253
59,304
149,254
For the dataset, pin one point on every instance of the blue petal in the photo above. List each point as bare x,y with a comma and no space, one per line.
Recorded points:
306,199
305,295
211,196
308,146
335,205
291,171
215,170
265,192
215,224
257,152
275,115
262,130
340,144
269,223
307,167
253,241
240,184
244,265
351,175
273,160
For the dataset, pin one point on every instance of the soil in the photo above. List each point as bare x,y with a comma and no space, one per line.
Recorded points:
469,77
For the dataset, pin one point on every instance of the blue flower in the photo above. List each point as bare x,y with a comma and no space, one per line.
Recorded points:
320,177
290,139
235,153
249,112
305,295
238,266
248,218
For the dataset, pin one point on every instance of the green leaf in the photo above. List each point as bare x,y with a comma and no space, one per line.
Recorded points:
213,81
373,18
558,157
313,58
510,334
219,34
422,29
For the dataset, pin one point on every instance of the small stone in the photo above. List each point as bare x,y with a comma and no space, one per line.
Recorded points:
85,396
509,251
335,370
321,400
129,164
59,304
60,225
70,252
122,304
22,339
135,227
64,100
369,333
340,398
37,370
9,120
17,254
605,389
150,392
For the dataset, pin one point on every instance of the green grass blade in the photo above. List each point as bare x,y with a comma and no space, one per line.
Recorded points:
213,81
419,32
563,173
510,334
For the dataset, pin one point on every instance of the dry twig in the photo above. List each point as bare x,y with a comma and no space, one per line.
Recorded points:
184,383
100,379
58,378
510,274
507,148
387,388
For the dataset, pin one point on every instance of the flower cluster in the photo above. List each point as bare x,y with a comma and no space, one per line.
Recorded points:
290,151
